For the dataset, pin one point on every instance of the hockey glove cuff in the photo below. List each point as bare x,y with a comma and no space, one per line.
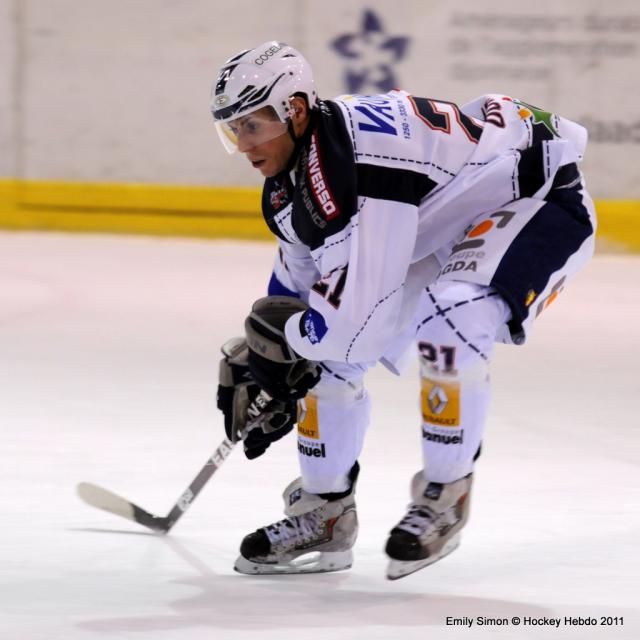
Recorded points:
274,365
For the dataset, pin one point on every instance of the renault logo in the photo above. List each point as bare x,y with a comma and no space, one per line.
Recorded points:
302,411
437,400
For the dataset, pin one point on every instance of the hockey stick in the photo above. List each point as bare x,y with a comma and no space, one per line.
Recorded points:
103,499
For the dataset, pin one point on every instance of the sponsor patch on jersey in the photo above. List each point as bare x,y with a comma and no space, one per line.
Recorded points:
459,265
313,326
319,183
538,116
278,197
441,403
308,418
376,114
550,298
492,113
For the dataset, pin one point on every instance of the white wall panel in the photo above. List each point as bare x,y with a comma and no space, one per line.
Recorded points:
118,90
8,69
579,58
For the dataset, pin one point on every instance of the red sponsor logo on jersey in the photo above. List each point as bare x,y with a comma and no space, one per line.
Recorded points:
319,184
278,197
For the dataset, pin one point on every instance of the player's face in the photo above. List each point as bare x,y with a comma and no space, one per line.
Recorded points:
262,137
271,157
265,140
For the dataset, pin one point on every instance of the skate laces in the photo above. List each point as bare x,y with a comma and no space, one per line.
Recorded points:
421,519
289,532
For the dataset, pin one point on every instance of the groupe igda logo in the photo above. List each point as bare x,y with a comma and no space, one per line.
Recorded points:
465,255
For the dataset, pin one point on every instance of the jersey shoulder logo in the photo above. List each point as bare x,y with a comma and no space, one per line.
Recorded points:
375,114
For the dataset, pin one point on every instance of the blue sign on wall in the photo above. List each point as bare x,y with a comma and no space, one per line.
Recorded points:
370,56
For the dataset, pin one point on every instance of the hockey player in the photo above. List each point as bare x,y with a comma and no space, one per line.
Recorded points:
398,218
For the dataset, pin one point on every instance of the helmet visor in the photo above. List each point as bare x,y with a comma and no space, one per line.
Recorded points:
249,131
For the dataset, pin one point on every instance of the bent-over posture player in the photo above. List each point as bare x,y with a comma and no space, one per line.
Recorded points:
398,218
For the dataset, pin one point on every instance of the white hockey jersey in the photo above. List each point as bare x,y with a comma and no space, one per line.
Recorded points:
383,188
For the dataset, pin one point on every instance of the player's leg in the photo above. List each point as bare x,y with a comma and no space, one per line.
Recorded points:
522,255
320,526
458,325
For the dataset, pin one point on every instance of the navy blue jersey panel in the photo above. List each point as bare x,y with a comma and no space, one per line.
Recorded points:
276,288
543,246
388,183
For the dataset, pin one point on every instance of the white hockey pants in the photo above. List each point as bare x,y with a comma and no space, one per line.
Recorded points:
457,327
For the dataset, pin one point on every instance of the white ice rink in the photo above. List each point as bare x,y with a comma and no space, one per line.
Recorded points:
108,370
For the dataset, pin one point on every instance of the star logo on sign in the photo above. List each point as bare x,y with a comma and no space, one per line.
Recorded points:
370,55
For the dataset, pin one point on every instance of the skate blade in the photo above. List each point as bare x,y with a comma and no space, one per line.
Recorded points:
314,562
399,568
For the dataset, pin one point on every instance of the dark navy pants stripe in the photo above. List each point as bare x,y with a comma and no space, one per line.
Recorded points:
543,246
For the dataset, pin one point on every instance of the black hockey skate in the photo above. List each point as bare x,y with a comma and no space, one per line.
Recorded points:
431,528
316,536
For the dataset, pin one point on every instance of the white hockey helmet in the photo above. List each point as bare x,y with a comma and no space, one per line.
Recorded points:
261,80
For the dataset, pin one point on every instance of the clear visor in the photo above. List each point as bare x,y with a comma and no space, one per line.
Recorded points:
246,132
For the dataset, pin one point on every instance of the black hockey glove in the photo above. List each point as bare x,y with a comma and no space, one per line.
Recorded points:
274,365
250,415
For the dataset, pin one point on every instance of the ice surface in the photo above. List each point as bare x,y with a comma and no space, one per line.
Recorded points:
108,367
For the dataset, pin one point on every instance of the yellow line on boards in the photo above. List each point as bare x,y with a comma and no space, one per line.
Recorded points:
209,212
619,224
206,212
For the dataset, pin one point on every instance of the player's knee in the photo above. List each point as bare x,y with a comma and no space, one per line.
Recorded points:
338,391
334,408
479,310
459,322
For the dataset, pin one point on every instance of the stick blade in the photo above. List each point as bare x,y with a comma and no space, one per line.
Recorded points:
101,498
106,500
